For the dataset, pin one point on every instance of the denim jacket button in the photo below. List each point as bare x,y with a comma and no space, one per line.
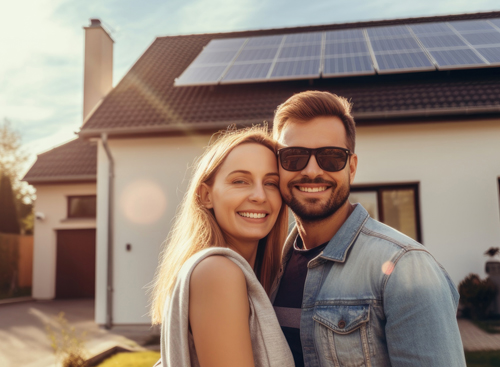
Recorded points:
341,324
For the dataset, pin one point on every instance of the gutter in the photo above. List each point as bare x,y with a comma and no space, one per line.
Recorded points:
195,127
109,280
61,179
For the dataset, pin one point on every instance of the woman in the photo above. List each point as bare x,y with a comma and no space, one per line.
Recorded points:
214,310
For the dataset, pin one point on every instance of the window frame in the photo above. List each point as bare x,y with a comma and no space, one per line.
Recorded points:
378,188
68,205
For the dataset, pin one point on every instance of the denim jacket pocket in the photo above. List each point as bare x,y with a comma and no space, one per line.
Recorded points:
341,332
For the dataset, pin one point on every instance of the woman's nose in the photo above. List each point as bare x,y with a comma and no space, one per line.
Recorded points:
258,194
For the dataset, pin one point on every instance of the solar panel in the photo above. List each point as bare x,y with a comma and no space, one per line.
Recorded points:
393,31
394,44
483,38
346,48
495,22
430,28
256,54
264,41
391,49
301,51
201,75
395,62
348,65
251,72
299,69
441,40
492,54
348,34
471,25
313,37
456,57
225,44
215,57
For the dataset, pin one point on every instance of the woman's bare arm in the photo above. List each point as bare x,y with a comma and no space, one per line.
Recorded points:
218,314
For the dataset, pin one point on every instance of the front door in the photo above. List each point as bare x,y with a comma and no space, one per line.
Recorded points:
75,275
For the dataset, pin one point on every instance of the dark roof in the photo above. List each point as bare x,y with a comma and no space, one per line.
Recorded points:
146,101
75,161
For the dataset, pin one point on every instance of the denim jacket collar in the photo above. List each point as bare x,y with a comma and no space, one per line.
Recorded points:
339,245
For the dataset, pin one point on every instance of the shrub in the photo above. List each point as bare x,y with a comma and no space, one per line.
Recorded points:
67,345
476,296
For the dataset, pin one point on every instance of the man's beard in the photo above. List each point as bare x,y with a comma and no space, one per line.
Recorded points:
336,200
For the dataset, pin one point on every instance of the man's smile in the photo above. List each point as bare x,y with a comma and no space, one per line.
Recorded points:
312,188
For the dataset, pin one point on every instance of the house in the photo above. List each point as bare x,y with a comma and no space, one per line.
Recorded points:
426,94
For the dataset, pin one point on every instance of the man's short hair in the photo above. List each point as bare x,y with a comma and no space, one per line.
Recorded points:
305,106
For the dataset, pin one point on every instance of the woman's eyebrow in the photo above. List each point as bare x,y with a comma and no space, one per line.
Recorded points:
249,173
240,171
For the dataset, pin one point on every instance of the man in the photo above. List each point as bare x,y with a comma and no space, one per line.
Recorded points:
352,291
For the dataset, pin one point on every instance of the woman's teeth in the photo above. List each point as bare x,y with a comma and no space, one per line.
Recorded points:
312,189
252,215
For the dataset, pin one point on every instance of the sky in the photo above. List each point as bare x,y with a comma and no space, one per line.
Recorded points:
42,42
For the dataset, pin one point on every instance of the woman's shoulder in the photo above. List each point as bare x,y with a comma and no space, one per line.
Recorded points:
216,272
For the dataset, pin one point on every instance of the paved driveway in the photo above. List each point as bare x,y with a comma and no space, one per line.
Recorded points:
24,342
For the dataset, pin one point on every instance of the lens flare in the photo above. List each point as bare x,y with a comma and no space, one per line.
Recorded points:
387,267
143,202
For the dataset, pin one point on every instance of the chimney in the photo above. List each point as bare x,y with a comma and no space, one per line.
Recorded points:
98,66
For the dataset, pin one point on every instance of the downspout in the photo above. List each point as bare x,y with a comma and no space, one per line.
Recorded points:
109,281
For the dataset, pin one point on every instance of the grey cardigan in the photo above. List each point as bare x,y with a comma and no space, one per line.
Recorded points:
269,345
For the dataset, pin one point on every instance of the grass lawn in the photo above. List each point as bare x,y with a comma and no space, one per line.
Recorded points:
483,359
137,359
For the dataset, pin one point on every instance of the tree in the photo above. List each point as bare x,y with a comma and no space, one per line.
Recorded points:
12,160
9,222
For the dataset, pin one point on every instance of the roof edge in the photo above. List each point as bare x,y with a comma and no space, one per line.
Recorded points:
428,112
60,179
191,128
355,24
187,128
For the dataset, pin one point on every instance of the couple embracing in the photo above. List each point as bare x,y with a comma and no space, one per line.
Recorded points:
342,290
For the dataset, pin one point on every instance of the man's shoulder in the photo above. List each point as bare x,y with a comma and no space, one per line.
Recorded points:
377,233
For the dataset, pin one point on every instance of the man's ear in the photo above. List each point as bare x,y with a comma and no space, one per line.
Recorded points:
206,196
353,166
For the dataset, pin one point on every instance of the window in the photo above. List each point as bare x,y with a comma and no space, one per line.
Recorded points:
82,206
394,205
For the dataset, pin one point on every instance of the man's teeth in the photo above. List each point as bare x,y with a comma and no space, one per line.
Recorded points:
252,215
312,189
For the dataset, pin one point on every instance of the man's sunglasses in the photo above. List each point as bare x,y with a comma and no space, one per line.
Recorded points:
331,159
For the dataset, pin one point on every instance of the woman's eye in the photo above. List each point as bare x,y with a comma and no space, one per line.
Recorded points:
272,184
239,182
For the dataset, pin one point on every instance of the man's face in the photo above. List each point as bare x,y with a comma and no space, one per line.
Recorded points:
314,194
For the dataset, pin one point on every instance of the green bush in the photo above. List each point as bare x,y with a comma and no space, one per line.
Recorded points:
476,296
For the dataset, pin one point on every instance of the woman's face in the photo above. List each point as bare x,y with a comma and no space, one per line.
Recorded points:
245,193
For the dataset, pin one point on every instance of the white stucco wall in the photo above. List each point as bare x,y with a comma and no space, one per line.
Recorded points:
52,201
150,180
458,166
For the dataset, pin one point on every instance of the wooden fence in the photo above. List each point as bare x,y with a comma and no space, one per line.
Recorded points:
16,263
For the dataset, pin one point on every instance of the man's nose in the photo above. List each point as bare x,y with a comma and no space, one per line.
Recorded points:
312,169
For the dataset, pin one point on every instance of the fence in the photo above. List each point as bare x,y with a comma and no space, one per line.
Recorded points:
16,265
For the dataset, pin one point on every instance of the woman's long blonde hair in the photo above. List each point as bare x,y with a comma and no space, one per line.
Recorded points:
195,227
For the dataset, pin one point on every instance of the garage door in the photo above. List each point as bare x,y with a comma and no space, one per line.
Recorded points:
75,276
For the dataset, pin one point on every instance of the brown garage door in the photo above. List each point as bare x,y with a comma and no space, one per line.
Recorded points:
75,277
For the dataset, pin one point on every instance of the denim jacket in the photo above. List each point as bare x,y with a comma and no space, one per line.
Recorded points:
375,297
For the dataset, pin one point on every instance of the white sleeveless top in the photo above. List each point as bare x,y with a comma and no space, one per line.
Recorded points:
270,348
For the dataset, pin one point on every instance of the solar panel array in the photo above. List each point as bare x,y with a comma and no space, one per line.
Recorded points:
362,51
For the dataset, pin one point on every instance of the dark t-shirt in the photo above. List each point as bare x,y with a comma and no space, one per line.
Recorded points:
288,301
